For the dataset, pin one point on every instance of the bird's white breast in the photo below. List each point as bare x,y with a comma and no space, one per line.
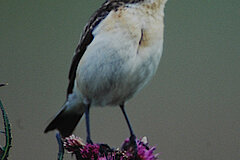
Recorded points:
122,57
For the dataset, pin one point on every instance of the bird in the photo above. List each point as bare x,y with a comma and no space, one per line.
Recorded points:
118,53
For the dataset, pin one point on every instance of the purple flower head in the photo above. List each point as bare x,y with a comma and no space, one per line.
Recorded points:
144,152
73,144
84,151
90,151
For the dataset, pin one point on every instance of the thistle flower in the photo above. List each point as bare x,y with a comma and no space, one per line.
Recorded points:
75,145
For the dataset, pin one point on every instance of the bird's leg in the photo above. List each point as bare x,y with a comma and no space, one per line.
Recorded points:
132,135
89,141
128,123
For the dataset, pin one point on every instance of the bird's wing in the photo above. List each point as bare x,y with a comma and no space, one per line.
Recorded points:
87,38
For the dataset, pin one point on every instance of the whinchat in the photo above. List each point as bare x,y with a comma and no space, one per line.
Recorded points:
118,54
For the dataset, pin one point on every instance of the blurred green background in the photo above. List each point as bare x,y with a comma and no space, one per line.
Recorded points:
190,110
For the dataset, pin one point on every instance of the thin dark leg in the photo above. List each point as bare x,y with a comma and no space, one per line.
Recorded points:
126,118
88,124
132,135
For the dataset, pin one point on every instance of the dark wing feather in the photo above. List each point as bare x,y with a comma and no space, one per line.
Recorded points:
87,35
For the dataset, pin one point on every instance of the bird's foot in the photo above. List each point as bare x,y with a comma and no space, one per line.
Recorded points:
105,149
89,141
133,144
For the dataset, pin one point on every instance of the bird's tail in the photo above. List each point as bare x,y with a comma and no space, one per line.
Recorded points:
67,119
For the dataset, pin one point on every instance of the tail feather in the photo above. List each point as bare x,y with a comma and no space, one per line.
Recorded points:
65,122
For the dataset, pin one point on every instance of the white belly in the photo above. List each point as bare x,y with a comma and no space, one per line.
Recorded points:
115,67
111,77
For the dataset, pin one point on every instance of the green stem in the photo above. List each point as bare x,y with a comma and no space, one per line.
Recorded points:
8,136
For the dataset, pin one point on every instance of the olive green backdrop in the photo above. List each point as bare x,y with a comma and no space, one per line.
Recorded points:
190,110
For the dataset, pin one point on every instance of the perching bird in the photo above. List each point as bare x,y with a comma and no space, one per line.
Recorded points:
118,53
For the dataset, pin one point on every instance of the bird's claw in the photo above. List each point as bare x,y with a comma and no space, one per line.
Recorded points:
89,141
134,145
